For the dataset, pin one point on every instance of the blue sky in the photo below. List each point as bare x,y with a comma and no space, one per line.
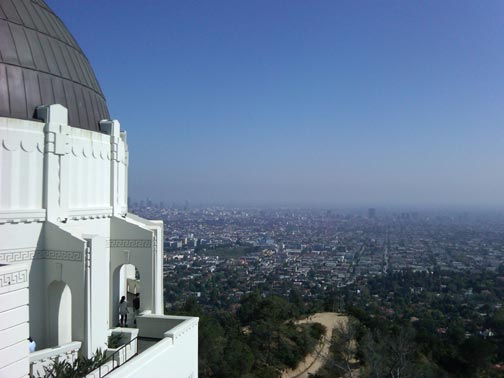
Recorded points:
303,102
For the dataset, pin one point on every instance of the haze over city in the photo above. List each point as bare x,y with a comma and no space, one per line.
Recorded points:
294,102
251,189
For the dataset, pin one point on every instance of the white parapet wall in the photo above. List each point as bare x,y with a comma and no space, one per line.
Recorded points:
174,356
52,171
42,360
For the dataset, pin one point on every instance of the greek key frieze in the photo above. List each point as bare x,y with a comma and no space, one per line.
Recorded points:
13,278
130,243
11,257
58,255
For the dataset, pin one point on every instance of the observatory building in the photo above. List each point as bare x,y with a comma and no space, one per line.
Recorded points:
69,249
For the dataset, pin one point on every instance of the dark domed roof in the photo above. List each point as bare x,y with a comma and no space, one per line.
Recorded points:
41,64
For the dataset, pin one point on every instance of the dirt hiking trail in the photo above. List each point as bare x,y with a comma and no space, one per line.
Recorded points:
315,360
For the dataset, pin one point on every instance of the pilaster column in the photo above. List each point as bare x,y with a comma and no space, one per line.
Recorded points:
113,128
157,251
56,147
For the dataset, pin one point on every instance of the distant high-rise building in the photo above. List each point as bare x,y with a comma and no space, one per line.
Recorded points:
372,213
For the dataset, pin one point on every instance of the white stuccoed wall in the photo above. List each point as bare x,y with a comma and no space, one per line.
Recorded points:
63,216
14,321
21,176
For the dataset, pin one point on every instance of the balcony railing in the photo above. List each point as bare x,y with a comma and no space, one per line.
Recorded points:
162,341
117,358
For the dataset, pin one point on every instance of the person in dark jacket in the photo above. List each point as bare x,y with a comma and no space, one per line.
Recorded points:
136,305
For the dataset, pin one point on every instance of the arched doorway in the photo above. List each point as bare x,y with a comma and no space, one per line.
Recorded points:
126,282
59,313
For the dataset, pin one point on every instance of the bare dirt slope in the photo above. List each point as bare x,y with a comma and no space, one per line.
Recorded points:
316,359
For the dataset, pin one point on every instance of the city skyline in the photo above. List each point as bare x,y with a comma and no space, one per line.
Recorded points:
294,103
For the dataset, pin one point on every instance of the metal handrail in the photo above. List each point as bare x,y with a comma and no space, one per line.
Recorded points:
113,355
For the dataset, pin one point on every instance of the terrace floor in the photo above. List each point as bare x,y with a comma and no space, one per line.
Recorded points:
144,343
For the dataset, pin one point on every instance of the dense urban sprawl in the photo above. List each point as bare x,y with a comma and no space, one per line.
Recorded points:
238,250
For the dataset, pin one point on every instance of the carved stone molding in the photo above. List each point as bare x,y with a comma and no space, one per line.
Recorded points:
13,278
27,145
58,255
101,152
130,243
154,242
22,255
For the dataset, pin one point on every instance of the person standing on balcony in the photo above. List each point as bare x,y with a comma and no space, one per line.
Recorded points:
123,312
136,305
32,346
